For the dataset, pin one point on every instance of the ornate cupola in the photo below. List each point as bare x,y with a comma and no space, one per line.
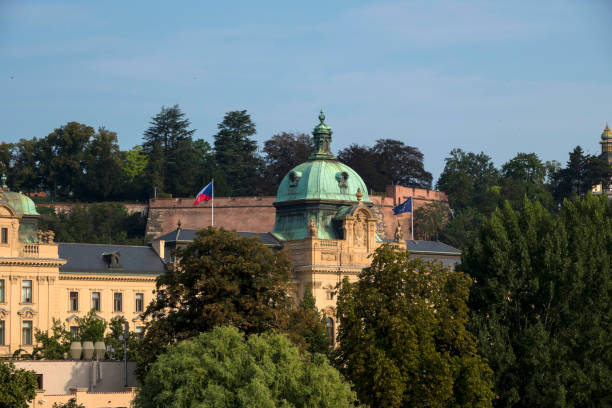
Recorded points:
606,144
321,136
314,195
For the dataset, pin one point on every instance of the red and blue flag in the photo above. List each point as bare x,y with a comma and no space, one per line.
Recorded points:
205,194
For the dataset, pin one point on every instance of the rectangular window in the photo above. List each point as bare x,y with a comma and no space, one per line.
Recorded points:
26,333
39,381
26,291
2,330
95,301
5,235
74,301
74,331
1,290
117,302
139,302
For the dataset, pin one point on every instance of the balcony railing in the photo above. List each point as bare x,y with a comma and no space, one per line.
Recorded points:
30,250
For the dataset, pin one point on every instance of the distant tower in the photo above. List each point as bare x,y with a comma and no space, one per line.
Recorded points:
606,144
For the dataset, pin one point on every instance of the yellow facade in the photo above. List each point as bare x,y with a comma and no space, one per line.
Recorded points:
33,291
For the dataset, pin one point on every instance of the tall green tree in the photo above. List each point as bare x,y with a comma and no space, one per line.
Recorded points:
402,335
52,346
17,386
102,166
581,173
168,145
524,176
386,163
62,158
542,303
236,153
220,279
222,368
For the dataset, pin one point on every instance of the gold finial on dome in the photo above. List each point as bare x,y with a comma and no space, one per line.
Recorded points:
607,132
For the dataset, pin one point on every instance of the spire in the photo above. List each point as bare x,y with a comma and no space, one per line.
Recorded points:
322,140
607,133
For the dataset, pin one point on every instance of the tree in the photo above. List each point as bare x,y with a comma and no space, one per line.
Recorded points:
91,327
468,179
402,336
222,368
283,152
523,176
581,173
542,302
307,326
62,158
166,141
116,329
388,162
71,403
236,153
52,347
430,219
102,167
221,279
17,386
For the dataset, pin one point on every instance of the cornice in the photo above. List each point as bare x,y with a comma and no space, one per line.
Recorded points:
81,277
22,261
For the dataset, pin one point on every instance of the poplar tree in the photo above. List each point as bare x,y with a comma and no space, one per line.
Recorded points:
542,303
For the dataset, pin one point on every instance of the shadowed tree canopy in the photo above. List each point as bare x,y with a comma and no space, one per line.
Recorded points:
402,336
283,152
542,303
221,279
388,162
17,386
236,153
222,368
168,128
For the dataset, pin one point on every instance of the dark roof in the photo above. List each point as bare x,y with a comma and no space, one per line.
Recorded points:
433,247
141,260
187,235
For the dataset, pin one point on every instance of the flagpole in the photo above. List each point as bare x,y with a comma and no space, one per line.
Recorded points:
412,217
212,205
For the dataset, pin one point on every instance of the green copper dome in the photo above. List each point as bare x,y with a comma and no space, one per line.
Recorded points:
321,180
322,177
22,204
315,193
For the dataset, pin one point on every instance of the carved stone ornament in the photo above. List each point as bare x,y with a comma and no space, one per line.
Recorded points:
312,229
45,237
398,232
4,312
360,229
27,312
359,195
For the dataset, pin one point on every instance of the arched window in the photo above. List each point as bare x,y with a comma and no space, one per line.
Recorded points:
331,334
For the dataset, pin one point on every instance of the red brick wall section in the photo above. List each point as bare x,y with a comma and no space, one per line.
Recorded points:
257,214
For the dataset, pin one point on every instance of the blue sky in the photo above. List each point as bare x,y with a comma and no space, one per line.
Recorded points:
498,77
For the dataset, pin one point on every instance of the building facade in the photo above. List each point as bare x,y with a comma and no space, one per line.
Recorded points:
41,280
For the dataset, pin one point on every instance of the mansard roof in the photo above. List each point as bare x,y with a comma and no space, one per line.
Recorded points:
93,258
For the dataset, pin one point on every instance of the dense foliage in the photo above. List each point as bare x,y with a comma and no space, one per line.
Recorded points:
99,223
475,188
388,162
222,368
542,302
17,386
402,336
222,279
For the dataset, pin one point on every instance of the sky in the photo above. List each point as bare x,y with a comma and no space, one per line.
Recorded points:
496,77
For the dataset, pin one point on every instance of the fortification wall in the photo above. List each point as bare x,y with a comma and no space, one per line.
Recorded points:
257,214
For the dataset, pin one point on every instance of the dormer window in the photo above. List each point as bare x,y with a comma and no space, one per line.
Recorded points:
294,178
112,259
342,178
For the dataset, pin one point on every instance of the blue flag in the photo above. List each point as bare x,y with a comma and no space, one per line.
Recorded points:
406,206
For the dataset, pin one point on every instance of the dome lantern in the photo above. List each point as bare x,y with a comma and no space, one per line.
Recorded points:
321,135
